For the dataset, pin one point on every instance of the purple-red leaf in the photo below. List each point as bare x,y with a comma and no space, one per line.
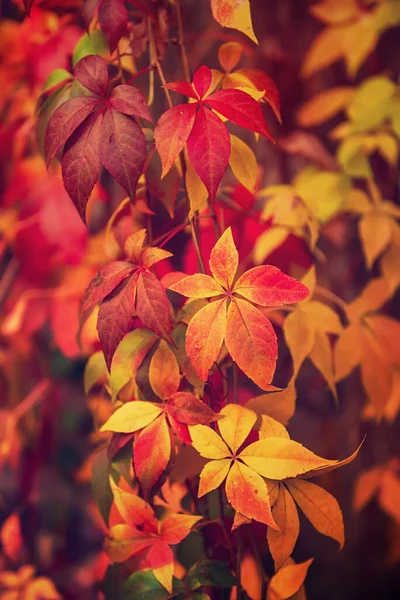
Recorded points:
122,149
189,410
209,146
241,109
115,318
152,305
172,132
130,101
113,19
64,121
105,282
91,71
80,162
88,11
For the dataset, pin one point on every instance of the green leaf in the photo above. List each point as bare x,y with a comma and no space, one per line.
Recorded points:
101,488
55,78
144,586
210,572
90,43
95,368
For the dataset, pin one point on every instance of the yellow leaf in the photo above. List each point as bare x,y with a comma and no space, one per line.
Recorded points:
376,373
324,105
321,356
370,103
335,11
386,332
326,48
271,428
95,369
322,317
348,351
243,163
234,14
374,295
358,41
300,337
351,156
387,15
267,242
164,575
287,581
281,543
324,192
213,474
278,405
280,458
196,190
208,443
164,374
236,425
357,202
132,416
376,230
320,508
367,485
310,279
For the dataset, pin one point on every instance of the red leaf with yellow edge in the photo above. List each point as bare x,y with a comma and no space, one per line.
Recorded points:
202,80
213,474
287,581
130,101
247,492
171,133
152,453
224,260
208,443
105,282
91,71
268,286
174,528
164,374
251,342
133,509
122,149
236,425
189,410
280,458
152,305
124,541
197,286
204,337
241,109
320,508
132,416
115,319
209,147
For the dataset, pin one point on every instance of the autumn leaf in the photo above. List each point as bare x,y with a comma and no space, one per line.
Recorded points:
248,334
287,581
235,15
281,543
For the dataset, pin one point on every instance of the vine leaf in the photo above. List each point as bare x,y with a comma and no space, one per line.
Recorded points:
248,333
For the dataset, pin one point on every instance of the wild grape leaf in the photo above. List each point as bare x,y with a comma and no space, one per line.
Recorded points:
152,453
207,138
281,543
287,581
113,19
128,288
164,374
97,130
235,14
248,333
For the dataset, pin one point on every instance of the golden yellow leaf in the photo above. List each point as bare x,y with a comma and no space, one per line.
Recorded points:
322,316
267,242
213,474
376,231
376,373
374,295
320,508
326,48
358,41
234,14
367,485
324,105
347,351
370,103
387,15
386,332
321,357
243,163
271,428
310,279
352,157
278,405
196,190
357,202
324,192
132,416
287,581
164,374
281,543
95,370
335,11
236,424
300,337
208,443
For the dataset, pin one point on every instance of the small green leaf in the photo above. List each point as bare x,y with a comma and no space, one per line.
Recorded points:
144,586
210,572
90,43
55,78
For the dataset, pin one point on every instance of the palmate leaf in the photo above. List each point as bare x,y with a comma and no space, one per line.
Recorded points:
98,130
281,543
248,334
206,136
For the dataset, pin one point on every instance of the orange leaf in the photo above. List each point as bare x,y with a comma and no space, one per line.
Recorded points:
281,543
133,509
268,286
151,453
251,341
197,286
124,541
229,55
164,375
287,581
224,260
175,528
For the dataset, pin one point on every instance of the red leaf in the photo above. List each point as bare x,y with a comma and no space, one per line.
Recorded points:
91,71
189,410
182,87
241,109
28,5
88,11
209,147
202,80
105,281
152,305
251,341
262,81
64,121
151,453
122,149
115,319
205,335
80,162
130,101
268,286
172,132
113,19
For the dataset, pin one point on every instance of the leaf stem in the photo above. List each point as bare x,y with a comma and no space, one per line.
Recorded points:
182,48
31,399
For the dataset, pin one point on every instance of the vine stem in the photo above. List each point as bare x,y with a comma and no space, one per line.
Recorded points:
182,48
31,399
8,278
